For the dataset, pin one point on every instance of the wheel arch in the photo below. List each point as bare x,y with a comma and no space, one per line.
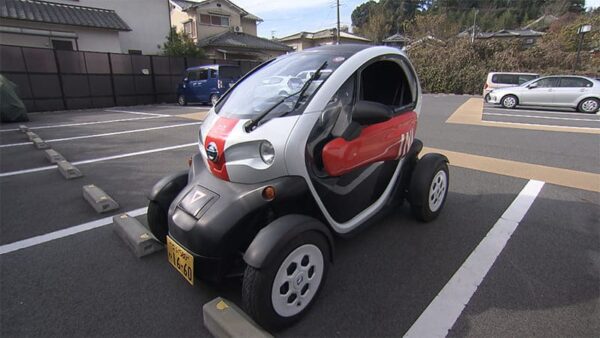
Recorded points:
263,250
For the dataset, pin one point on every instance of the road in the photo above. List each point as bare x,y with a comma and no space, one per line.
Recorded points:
544,280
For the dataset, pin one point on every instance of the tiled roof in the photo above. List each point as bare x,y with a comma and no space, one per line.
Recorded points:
242,40
396,38
187,4
63,14
323,34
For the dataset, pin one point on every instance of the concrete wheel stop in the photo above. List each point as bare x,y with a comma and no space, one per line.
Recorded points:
98,199
68,170
39,143
53,156
137,237
224,320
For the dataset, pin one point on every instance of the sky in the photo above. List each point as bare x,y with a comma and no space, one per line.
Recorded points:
286,17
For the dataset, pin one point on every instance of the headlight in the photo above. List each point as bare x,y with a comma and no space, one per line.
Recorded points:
267,153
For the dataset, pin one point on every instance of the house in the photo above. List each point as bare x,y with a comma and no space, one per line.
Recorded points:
542,23
425,41
396,40
114,26
224,30
304,40
527,36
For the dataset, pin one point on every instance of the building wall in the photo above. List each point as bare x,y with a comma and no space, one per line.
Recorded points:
148,19
88,39
302,44
203,31
249,26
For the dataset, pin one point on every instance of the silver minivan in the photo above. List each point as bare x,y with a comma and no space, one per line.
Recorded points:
566,91
497,80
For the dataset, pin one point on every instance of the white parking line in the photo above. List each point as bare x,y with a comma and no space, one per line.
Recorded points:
540,125
541,117
539,111
107,158
133,112
439,317
103,135
87,123
33,241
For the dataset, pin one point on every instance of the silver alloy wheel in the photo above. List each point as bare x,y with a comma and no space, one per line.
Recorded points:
589,106
297,280
214,99
437,190
181,100
509,102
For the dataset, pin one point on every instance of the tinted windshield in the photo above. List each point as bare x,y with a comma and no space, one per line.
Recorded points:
280,78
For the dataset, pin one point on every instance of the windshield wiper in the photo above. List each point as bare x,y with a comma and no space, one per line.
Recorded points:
251,125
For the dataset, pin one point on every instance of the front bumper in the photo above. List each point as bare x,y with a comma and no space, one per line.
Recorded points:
493,98
215,220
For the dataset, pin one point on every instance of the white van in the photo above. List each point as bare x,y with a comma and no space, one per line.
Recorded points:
500,80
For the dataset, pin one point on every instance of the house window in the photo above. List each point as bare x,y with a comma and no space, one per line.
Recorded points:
135,52
189,29
214,20
62,45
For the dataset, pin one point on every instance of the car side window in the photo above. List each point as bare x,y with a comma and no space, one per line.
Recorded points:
548,82
202,74
574,82
192,75
213,73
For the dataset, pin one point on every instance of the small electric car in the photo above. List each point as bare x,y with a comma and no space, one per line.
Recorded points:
277,176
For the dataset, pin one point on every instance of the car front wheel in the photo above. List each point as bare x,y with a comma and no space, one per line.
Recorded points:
278,295
589,106
509,101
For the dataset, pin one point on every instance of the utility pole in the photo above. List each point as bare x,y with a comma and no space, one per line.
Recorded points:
338,23
273,34
474,23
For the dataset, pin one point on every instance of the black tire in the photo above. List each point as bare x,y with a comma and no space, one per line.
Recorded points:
181,100
157,221
421,183
213,100
509,101
258,284
582,106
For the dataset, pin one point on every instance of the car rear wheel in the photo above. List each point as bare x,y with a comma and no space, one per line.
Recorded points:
181,100
429,187
509,101
589,105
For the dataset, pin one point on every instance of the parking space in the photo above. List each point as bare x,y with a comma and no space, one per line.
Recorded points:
71,282
541,116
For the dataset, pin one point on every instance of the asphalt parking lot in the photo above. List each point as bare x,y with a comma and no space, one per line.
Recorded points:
391,279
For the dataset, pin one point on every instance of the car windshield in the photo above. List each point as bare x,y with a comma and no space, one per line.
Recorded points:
282,77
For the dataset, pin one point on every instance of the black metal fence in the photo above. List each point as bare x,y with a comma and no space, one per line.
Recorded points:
49,79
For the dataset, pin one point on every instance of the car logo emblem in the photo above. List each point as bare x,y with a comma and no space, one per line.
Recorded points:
198,195
211,152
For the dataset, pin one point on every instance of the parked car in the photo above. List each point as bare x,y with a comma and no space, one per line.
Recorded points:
206,84
497,80
579,92
270,187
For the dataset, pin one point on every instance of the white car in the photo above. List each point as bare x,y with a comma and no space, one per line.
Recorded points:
565,91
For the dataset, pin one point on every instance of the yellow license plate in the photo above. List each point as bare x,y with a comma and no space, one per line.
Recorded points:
182,260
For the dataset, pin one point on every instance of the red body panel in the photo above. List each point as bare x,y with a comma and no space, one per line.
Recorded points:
218,134
383,141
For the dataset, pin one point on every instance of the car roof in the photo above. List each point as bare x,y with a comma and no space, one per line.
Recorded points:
512,73
210,67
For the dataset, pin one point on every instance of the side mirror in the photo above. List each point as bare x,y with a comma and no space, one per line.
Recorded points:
369,112
532,85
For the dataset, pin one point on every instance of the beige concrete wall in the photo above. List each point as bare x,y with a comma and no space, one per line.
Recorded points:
148,19
249,26
88,39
